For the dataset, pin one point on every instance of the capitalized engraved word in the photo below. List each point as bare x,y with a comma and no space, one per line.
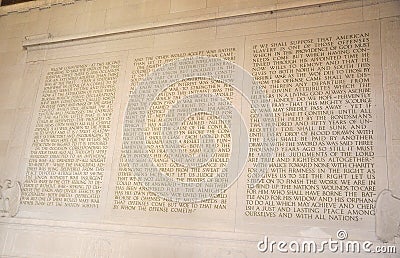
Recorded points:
138,154
10,197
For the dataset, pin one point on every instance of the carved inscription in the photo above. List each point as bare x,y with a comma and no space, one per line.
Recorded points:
321,95
130,193
67,159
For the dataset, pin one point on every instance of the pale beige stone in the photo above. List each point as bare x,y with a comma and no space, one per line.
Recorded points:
2,159
12,163
184,37
8,58
394,164
370,11
46,244
74,51
238,5
29,17
93,21
3,97
187,5
64,25
2,25
136,13
10,101
3,147
387,216
15,44
12,84
393,95
15,18
284,4
248,28
391,51
226,5
12,58
391,79
319,19
129,43
97,48
13,31
389,9
108,233
3,43
37,55
4,86
21,127
102,5
198,14
60,11
7,118
41,24
3,234
213,3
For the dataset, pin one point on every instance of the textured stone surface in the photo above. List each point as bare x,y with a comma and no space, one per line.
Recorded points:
181,25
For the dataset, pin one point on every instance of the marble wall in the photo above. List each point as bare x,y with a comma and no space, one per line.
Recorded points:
71,131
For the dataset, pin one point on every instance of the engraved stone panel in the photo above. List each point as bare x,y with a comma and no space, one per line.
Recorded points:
327,104
71,137
131,197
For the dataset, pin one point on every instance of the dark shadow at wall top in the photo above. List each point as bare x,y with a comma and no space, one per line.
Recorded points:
10,2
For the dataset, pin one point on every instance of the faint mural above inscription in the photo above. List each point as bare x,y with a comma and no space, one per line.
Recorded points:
68,154
10,198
